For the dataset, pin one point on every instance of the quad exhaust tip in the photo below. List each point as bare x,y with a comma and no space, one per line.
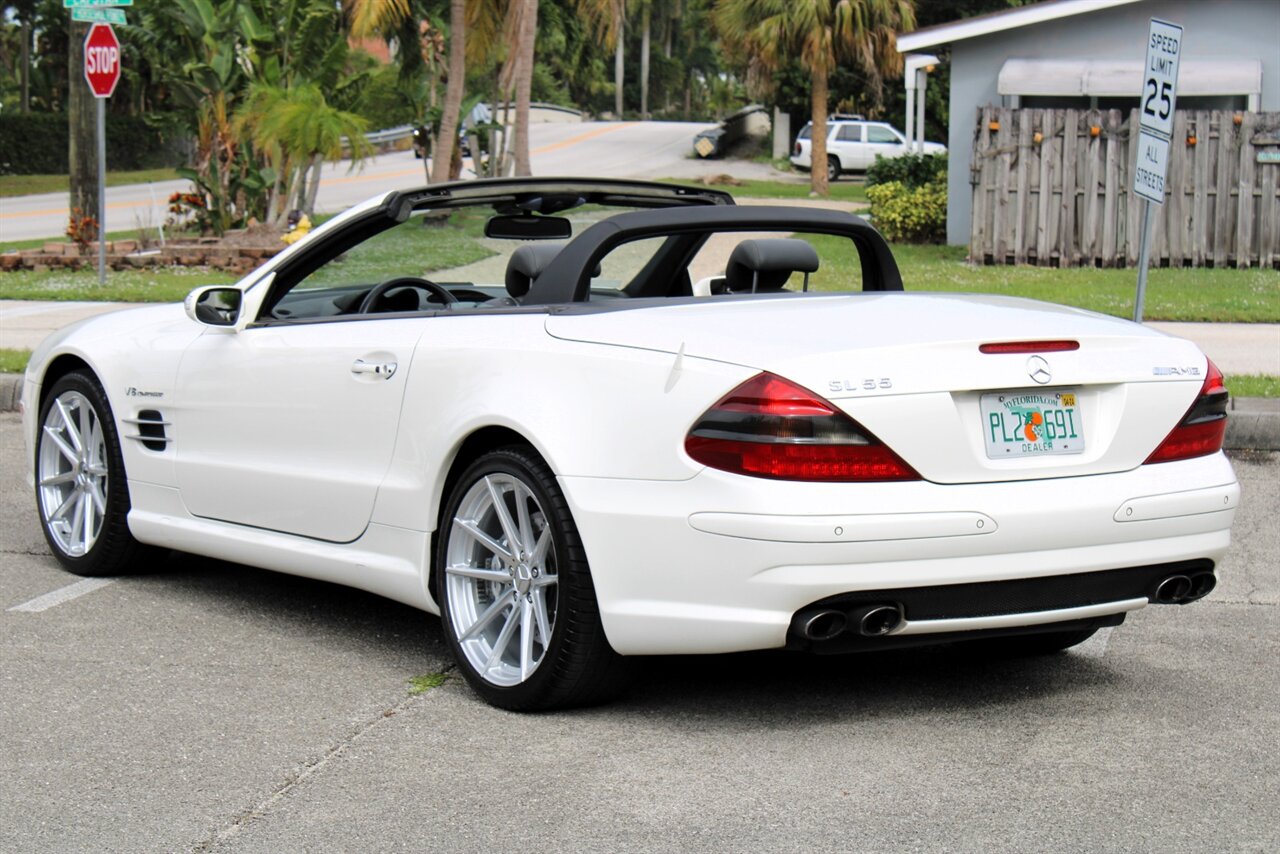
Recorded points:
874,620
1181,589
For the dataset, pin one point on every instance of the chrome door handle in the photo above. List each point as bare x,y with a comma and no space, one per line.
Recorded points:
381,369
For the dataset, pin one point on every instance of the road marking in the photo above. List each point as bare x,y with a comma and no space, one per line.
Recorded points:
62,594
111,206
582,137
1096,646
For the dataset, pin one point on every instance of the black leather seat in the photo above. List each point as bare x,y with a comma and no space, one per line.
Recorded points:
765,264
526,264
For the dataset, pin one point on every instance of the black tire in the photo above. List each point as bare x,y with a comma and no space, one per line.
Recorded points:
833,168
113,550
1026,646
577,667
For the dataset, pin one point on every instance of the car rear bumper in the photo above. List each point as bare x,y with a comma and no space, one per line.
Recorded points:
722,563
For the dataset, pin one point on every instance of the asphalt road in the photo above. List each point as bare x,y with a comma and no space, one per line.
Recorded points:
598,149
203,706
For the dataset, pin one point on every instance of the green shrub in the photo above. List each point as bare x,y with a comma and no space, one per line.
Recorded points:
911,170
910,215
36,143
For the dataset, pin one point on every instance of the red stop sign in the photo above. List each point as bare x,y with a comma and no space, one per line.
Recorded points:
102,60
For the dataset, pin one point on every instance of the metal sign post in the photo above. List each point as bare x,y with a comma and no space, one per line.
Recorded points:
102,73
1155,111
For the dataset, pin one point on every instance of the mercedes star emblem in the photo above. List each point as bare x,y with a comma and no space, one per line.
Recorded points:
1038,369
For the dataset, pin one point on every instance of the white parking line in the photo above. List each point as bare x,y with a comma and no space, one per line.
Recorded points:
62,594
1096,646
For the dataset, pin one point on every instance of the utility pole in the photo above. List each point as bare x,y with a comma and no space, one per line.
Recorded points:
82,152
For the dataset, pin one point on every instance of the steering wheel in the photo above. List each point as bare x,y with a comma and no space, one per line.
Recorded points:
371,298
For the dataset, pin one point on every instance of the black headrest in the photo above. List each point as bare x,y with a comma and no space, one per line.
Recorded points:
526,264
768,263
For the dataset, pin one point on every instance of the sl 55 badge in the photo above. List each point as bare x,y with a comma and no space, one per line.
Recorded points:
869,384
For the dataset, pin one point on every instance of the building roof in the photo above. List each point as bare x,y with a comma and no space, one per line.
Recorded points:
1123,77
1007,19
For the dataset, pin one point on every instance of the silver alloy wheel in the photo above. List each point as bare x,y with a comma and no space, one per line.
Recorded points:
500,567
72,473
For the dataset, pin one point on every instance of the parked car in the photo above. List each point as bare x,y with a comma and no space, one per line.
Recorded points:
587,420
853,145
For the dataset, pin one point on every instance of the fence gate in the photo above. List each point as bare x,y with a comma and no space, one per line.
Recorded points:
1054,187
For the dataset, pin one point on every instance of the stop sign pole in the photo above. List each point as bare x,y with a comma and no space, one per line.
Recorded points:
102,73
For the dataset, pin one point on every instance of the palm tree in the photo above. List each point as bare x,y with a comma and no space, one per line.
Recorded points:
382,17
528,30
300,130
608,19
820,34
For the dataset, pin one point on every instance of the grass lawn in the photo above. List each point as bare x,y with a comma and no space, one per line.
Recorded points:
1183,294
167,284
13,361
1253,385
841,191
26,185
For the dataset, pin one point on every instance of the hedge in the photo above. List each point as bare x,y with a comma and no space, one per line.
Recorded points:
36,144
910,170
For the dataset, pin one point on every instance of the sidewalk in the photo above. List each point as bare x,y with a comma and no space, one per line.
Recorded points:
1236,348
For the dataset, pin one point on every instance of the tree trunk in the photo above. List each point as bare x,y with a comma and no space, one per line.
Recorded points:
82,153
313,186
453,92
619,14
645,21
818,136
24,67
524,84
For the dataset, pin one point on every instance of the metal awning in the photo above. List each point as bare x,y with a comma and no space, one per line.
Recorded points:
1104,78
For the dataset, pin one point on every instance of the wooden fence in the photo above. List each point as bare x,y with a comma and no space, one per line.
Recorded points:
1054,187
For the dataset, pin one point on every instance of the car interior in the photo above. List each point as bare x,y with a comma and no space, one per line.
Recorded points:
486,258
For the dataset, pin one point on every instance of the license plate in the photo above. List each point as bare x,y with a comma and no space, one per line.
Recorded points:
1032,423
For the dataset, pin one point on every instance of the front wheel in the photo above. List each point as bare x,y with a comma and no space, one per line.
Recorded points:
81,492
515,592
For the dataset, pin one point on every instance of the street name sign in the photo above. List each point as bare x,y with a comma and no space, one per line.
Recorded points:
102,60
80,4
1151,167
101,16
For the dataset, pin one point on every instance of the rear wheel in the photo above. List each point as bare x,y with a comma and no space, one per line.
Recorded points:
833,168
81,491
515,592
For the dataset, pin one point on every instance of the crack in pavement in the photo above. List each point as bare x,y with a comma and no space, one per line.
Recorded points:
295,779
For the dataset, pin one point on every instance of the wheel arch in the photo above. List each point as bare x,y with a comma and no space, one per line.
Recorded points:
56,369
476,444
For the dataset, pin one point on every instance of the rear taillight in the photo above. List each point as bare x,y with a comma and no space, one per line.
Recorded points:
1201,430
769,427
797,149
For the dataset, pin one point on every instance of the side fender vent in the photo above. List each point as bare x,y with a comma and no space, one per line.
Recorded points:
152,430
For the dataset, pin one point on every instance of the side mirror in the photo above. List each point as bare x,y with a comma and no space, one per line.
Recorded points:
214,305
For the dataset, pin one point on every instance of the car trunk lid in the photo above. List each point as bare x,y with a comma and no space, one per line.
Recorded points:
909,369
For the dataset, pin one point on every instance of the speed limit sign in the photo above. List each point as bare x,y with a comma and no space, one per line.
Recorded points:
1160,78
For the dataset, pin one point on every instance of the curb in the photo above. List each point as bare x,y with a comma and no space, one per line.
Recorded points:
1254,424
10,391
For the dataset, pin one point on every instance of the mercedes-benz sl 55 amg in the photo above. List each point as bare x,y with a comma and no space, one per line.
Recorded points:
587,420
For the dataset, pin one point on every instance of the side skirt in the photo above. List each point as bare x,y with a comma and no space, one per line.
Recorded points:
387,561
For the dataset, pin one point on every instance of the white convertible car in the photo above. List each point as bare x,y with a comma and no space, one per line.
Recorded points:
587,420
